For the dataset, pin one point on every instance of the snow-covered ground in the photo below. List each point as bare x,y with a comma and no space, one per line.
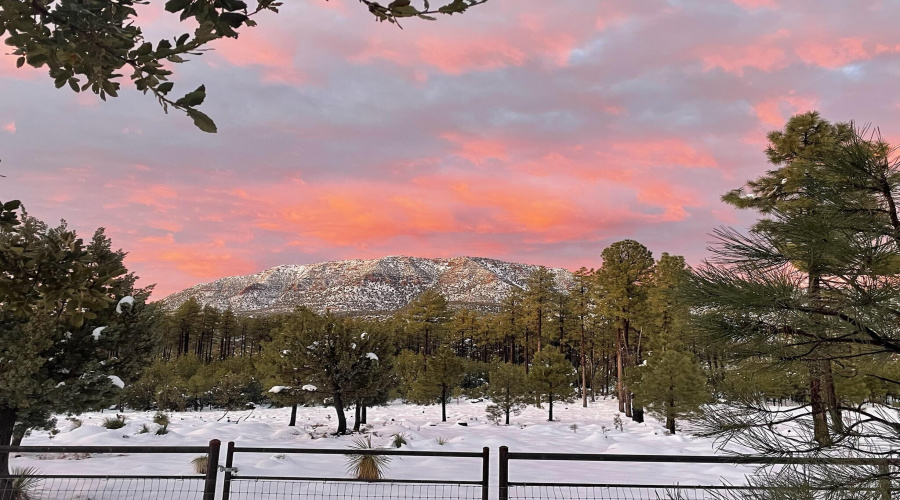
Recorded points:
576,430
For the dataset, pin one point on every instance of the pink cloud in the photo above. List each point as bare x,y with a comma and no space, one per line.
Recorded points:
10,127
765,54
834,54
755,4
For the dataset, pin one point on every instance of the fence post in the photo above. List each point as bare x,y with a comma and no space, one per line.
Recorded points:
212,469
485,472
503,482
229,461
884,481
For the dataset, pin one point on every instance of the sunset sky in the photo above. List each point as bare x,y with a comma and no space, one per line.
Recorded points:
523,130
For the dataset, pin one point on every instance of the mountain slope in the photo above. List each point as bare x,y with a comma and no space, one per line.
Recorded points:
365,287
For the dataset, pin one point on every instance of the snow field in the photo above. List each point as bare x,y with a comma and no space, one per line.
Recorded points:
577,430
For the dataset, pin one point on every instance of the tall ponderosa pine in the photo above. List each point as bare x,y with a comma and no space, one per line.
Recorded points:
508,391
671,384
622,284
63,331
537,303
428,316
551,377
814,283
581,300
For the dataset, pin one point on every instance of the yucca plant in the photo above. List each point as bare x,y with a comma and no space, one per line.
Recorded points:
442,441
366,466
24,483
145,429
399,439
201,464
162,430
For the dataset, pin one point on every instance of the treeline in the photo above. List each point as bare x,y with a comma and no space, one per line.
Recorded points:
589,338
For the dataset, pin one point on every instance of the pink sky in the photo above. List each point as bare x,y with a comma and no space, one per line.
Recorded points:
523,130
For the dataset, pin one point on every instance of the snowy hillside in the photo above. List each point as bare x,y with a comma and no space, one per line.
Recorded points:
367,287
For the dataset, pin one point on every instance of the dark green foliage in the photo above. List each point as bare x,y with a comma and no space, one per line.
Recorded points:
507,390
672,385
811,287
93,44
60,333
445,372
551,377
622,284
336,358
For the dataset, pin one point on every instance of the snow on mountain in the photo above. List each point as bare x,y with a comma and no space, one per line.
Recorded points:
366,287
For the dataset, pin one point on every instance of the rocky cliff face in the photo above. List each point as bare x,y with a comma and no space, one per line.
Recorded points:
366,287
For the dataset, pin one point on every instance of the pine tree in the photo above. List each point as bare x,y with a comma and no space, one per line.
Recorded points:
582,302
793,190
507,390
622,290
445,372
672,385
537,303
428,316
66,325
327,356
552,376
812,283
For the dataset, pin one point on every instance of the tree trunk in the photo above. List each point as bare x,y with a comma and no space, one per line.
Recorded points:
443,403
357,412
583,370
670,415
831,401
7,422
624,406
817,402
293,421
364,413
507,415
339,407
637,412
550,399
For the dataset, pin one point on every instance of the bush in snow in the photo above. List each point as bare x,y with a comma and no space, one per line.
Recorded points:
200,464
116,422
366,466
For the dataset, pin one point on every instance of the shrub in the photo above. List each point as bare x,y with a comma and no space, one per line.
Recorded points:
201,464
162,430
114,423
160,418
442,441
366,466
145,429
24,482
399,439
76,422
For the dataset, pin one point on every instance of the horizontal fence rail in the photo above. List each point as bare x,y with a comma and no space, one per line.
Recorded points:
31,484
241,486
878,483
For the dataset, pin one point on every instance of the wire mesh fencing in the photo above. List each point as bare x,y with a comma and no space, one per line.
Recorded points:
677,477
473,485
278,488
55,487
29,484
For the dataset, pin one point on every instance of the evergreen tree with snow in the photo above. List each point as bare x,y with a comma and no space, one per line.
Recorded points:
327,356
551,376
73,327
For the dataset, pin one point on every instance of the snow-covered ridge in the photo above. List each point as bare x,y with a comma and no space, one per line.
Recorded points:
366,287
